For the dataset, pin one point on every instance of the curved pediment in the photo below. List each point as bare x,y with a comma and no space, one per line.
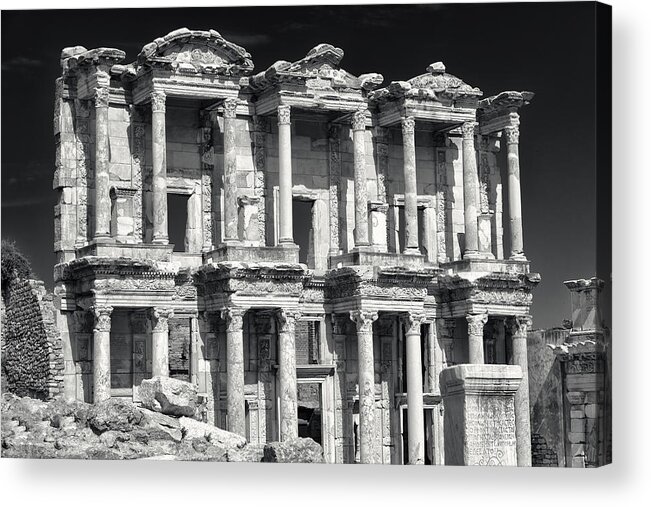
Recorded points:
196,52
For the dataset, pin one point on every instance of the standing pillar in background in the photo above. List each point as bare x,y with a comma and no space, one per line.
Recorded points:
285,175
287,373
416,423
102,353
159,167
470,191
235,406
361,192
476,337
230,172
411,188
368,438
102,178
512,135
518,327
160,364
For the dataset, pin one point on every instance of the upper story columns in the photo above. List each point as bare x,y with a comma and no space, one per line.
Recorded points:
285,174
411,189
230,172
359,164
102,178
470,191
159,167
512,136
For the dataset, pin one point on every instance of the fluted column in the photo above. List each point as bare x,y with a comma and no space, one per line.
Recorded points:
368,438
518,327
476,323
411,188
235,406
102,353
361,192
470,191
159,167
287,373
285,175
416,423
160,364
512,135
102,179
230,172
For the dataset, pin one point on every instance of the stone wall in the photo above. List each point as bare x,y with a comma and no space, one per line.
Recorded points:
546,397
32,351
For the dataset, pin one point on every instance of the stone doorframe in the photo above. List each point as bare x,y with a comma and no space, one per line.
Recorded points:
194,213
320,241
427,203
323,374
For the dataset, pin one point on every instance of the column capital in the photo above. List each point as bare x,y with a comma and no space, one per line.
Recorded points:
359,119
476,323
284,115
287,319
102,317
233,317
230,107
512,134
160,317
468,129
363,318
102,96
518,325
158,98
412,322
408,124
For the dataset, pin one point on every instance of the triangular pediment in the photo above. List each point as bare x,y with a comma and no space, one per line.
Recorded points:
196,52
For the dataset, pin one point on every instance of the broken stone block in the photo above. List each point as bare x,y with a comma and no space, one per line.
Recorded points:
297,450
168,396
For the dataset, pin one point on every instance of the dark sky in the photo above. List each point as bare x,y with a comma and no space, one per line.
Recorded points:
546,48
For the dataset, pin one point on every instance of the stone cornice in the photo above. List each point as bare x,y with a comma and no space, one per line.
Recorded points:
93,267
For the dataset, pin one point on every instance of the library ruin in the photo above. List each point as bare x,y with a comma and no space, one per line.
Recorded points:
320,254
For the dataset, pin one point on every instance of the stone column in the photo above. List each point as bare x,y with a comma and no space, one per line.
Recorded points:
411,189
518,327
235,406
160,364
512,135
366,381
361,192
470,191
102,353
287,373
286,231
476,323
102,179
230,172
159,167
416,423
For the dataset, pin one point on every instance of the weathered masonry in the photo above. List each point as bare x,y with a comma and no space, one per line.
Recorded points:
341,243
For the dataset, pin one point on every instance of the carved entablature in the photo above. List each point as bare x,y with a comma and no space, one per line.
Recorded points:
187,51
78,58
510,289
501,111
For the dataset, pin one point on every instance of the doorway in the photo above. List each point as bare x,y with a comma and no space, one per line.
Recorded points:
177,220
303,233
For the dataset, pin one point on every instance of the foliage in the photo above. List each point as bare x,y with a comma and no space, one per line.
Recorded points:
14,265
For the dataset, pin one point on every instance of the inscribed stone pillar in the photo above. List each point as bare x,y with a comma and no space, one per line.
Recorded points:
518,327
286,233
361,192
230,172
411,189
287,373
160,364
102,178
470,191
512,135
102,353
416,424
159,167
476,337
479,417
366,381
235,406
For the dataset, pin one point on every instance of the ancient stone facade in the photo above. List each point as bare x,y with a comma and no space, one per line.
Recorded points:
402,270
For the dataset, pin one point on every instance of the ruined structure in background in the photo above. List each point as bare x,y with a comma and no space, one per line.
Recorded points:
570,381
342,243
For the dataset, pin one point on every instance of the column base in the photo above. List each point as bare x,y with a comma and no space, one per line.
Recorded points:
161,241
103,238
472,254
411,251
519,256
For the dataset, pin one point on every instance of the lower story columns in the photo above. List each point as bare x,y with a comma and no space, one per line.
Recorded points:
160,342
416,424
476,323
366,381
102,353
287,372
235,404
